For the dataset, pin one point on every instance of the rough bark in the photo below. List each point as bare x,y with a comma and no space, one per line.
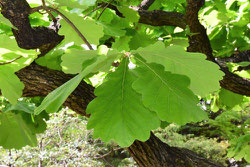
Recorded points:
39,81
155,153
162,18
27,37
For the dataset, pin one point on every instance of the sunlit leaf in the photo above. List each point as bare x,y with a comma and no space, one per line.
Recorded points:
118,113
204,75
167,94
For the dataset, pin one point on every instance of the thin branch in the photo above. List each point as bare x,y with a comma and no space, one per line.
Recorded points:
52,17
100,6
236,58
11,61
107,154
66,19
105,7
145,4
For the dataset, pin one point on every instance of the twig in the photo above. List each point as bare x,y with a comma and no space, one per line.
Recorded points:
111,151
53,18
98,7
66,19
105,7
11,60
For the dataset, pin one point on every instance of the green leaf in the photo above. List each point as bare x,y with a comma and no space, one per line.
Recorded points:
22,106
9,51
229,98
19,63
112,30
129,14
74,61
218,37
107,16
84,4
167,94
52,59
140,39
6,21
122,43
15,131
10,85
204,74
240,148
53,101
8,45
118,113
91,31
87,2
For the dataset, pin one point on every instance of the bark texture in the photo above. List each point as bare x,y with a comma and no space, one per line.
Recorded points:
155,153
39,81
27,37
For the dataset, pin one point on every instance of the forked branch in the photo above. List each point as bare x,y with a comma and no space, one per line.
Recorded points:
66,19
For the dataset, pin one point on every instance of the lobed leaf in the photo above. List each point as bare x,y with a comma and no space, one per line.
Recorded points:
10,85
204,75
167,94
118,113
18,129
75,60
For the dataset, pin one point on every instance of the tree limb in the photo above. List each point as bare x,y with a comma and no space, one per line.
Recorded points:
27,37
235,58
66,19
145,4
162,18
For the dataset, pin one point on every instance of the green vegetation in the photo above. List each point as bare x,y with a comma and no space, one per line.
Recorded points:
179,69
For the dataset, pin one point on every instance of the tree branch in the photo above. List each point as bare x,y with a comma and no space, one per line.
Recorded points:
145,154
235,58
162,18
145,4
66,19
27,37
